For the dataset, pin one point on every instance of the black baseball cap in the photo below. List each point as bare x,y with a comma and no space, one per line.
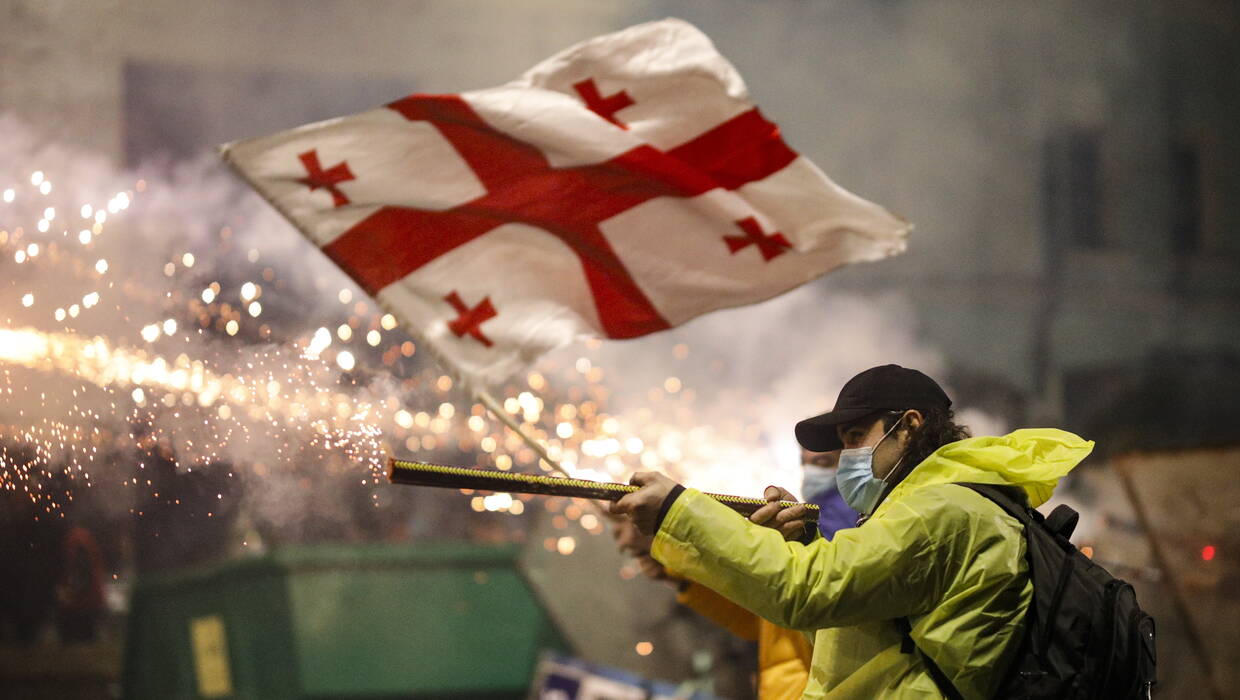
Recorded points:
885,388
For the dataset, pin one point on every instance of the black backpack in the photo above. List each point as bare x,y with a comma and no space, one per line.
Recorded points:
1085,636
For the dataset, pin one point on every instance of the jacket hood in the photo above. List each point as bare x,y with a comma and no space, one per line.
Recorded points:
1034,459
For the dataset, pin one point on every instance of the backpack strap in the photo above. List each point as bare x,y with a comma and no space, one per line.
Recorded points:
908,646
1061,523
1000,496
1010,498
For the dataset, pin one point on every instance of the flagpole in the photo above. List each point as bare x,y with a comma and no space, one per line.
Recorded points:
482,395
491,403
497,409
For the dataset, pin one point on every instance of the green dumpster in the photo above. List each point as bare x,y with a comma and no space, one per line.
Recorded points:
367,621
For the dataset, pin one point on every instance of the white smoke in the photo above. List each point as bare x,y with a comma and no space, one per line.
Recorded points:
761,369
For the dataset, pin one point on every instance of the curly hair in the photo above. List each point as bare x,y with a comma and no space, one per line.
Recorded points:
938,428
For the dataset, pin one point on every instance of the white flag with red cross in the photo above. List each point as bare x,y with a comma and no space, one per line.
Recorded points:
621,187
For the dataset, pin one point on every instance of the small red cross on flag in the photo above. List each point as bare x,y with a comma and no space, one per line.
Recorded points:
771,246
605,107
469,321
502,223
317,177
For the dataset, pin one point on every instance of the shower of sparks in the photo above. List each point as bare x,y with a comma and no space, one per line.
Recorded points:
75,398
96,365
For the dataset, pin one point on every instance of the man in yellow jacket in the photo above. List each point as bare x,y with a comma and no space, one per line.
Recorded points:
939,554
783,654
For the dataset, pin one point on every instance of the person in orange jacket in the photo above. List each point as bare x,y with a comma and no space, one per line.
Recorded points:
783,654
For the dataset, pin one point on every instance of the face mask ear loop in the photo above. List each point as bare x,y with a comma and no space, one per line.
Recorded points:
896,467
880,441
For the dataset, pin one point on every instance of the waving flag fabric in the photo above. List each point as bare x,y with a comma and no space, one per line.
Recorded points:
621,187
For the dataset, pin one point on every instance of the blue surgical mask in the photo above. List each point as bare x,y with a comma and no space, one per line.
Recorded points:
855,476
817,483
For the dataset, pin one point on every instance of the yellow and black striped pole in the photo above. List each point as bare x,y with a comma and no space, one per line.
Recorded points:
403,471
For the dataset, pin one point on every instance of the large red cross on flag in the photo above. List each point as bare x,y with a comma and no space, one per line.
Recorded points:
621,187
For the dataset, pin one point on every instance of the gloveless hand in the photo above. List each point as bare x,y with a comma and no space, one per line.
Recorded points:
790,521
643,505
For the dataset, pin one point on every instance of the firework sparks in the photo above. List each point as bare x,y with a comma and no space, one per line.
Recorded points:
115,346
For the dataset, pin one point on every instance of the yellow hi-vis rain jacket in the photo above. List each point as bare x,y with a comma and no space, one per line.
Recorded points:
940,554
783,655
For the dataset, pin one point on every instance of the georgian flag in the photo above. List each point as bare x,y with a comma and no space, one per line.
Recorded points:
621,187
